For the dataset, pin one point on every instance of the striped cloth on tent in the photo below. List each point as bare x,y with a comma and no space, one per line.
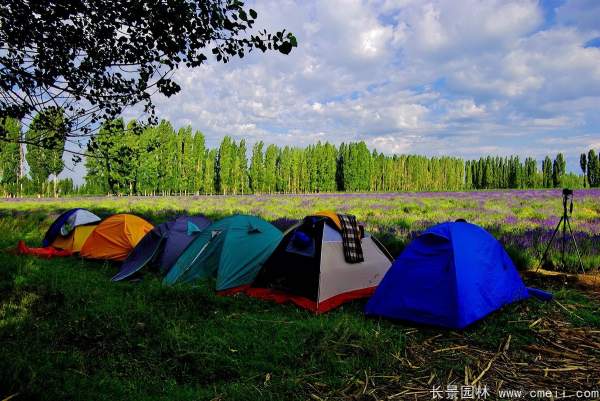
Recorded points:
351,239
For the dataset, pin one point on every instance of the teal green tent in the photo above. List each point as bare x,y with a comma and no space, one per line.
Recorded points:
233,250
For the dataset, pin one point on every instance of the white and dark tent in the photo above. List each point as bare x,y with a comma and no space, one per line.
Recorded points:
80,217
67,222
309,269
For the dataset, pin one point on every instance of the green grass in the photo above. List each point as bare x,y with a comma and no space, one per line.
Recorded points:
67,332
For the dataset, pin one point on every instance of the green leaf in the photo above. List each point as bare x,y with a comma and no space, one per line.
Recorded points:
293,40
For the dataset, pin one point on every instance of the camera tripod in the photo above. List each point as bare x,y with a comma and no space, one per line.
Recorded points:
564,223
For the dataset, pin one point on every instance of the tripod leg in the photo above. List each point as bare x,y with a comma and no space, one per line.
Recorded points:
564,241
549,243
576,247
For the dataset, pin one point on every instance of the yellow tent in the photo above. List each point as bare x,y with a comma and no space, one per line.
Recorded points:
332,216
74,241
115,237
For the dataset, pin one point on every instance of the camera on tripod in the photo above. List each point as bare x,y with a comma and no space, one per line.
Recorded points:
565,224
567,195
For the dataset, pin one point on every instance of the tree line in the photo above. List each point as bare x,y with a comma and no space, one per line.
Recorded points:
129,159
42,153
160,160
510,172
590,165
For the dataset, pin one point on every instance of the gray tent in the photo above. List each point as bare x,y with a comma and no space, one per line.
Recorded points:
163,245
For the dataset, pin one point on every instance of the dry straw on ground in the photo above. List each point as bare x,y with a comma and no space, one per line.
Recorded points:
560,356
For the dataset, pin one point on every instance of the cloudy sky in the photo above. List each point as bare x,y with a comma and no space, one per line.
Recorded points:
448,77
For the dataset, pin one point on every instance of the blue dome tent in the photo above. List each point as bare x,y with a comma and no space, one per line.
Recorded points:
451,276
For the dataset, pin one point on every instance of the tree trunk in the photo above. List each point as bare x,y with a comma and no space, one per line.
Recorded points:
21,162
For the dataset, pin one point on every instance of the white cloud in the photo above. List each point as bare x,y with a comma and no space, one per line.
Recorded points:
454,29
432,77
464,109
553,122
390,144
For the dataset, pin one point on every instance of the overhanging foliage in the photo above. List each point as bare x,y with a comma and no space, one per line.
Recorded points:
92,59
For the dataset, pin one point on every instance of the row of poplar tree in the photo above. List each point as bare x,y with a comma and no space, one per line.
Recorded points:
159,160
510,172
26,170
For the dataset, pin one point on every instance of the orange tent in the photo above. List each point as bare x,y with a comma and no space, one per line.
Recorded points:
74,241
115,237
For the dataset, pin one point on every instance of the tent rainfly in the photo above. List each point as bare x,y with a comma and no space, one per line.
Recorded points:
75,240
232,249
115,237
162,245
308,267
66,222
451,276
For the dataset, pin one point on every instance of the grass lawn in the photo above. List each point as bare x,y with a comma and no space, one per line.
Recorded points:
67,332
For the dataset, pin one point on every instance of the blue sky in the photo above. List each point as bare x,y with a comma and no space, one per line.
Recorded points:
455,77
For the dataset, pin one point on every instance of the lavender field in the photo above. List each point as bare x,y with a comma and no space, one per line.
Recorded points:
68,332
522,220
